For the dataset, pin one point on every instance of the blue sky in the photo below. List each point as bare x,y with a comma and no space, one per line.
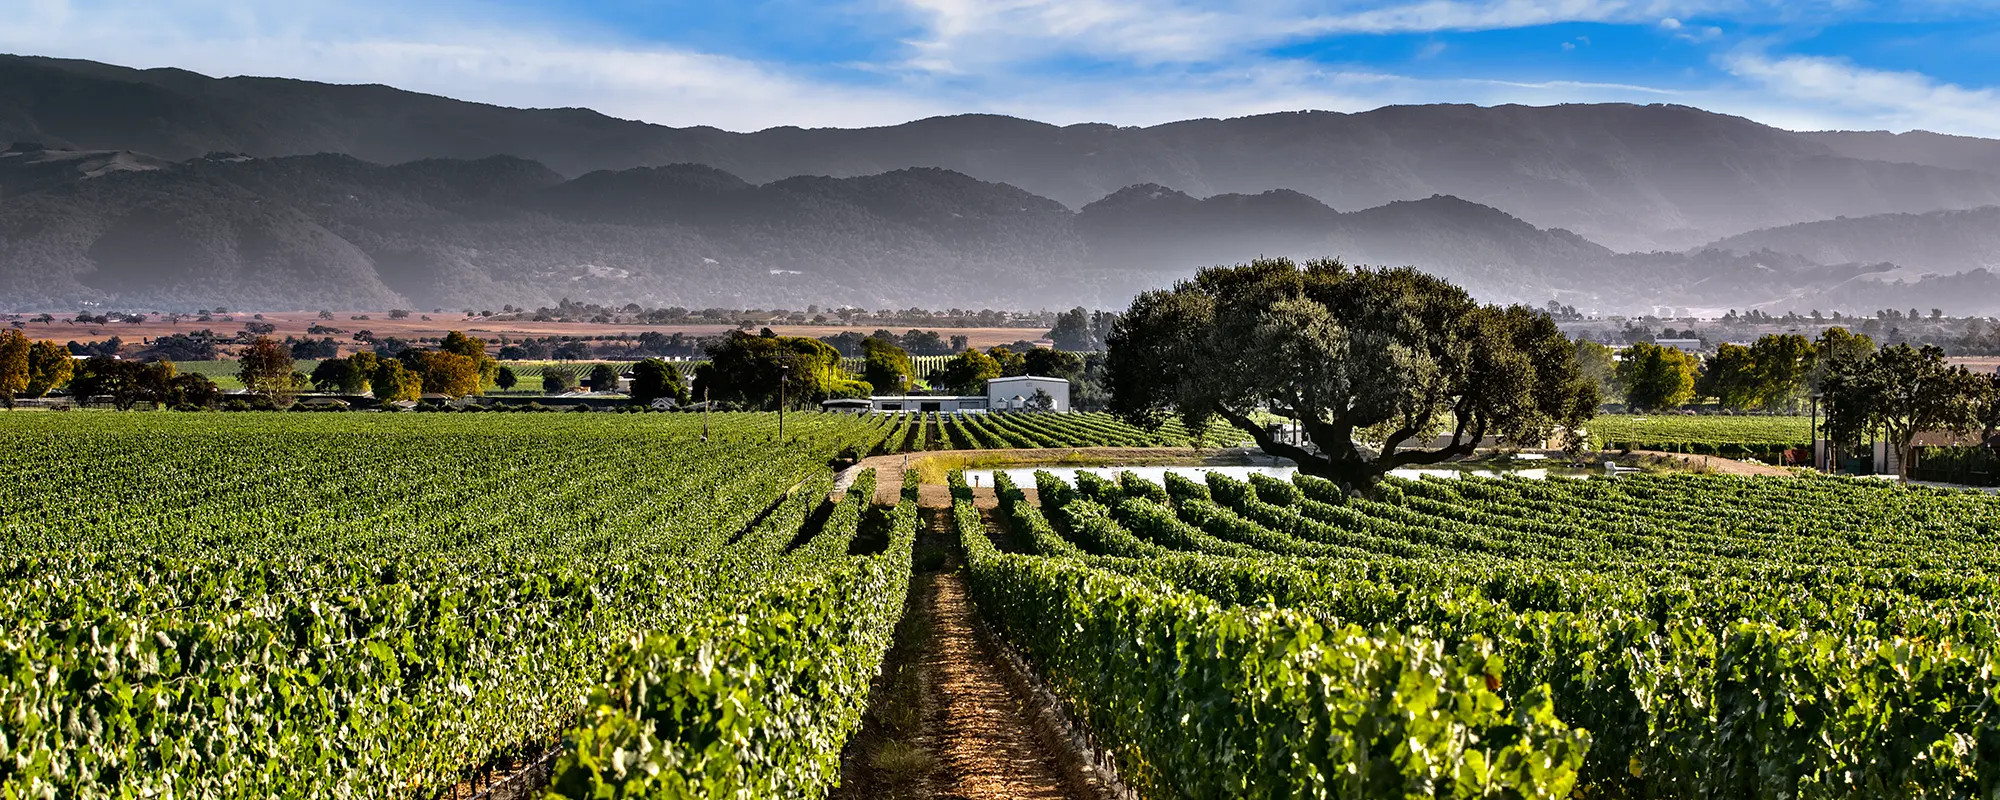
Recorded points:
1811,64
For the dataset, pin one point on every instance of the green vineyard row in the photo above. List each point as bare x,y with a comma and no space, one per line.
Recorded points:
1703,434
373,605
1686,636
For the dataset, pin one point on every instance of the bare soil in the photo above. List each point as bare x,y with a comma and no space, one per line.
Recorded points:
1987,364
978,733
507,778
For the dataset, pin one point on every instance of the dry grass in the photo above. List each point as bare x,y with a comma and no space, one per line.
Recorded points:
936,468
901,762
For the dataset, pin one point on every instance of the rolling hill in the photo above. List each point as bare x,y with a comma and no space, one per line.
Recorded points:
335,231
1630,177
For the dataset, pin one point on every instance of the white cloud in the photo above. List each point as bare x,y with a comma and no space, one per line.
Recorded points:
462,52
1467,15
1688,33
1170,60
441,49
964,34
1831,92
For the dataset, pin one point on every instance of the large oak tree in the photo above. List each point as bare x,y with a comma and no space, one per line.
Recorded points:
1381,369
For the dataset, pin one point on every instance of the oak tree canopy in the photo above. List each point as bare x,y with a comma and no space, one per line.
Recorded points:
1380,368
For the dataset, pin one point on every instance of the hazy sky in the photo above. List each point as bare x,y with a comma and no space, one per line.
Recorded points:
748,65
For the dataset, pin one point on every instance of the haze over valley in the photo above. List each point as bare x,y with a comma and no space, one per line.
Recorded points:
164,188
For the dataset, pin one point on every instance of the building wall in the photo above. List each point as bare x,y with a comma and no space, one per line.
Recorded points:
944,404
1002,393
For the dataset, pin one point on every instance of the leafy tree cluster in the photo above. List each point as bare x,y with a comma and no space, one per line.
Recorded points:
1774,372
129,383
968,372
756,371
458,367
30,368
354,374
193,346
108,347
886,367
1380,369
1655,377
1080,331
648,344
653,379
604,378
313,349
1901,391
1957,336
558,381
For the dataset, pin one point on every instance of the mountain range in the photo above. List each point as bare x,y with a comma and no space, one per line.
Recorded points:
165,187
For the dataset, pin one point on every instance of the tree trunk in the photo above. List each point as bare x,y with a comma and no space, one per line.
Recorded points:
1354,477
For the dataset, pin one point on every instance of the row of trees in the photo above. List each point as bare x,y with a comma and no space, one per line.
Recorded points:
458,367
1777,372
968,372
762,371
33,369
748,370
570,311
1964,336
129,383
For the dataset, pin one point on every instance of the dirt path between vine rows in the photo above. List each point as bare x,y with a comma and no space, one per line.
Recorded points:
975,729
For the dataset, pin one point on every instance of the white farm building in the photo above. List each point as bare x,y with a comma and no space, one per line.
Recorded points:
1018,394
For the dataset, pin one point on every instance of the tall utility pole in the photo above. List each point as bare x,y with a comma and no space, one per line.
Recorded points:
784,376
1814,444
704,413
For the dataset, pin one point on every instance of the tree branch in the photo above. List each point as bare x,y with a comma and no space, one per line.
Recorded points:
1459,448
1351,473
